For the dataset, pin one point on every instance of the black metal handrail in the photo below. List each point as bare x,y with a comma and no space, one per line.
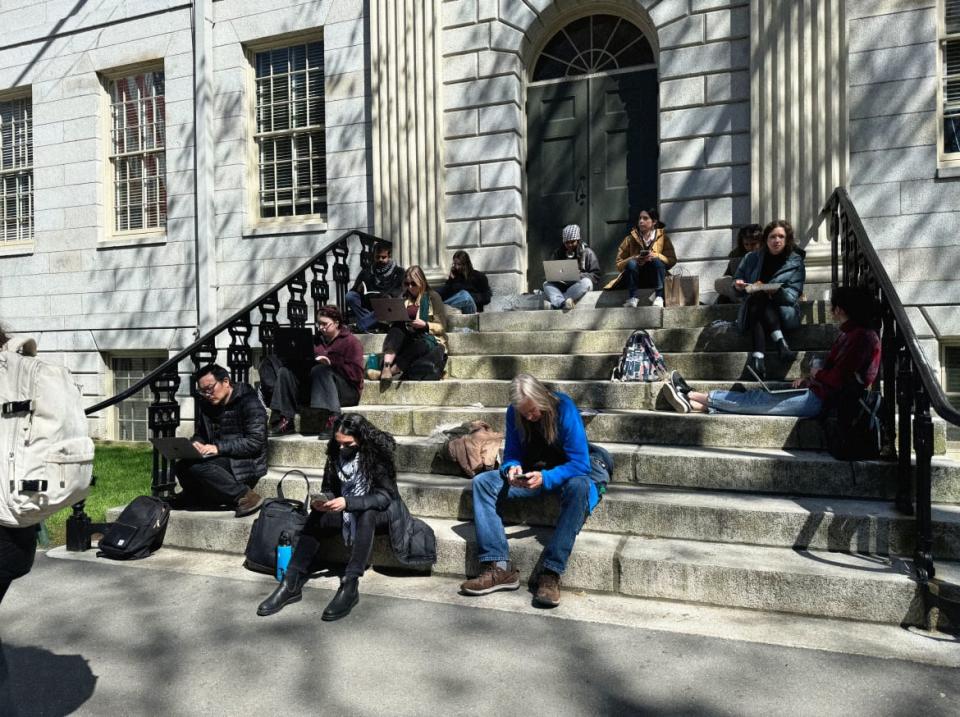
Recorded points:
906,376
164,381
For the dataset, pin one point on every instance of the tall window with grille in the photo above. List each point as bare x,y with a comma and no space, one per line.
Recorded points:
290,137
137,152
131,414
16,170
950,81
951,373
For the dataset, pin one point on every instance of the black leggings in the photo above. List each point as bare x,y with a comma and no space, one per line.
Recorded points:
763,318
17,549
323,524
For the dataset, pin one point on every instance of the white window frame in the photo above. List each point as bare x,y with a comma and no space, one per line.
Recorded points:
146,233
25,239
945,160
280,224
952,396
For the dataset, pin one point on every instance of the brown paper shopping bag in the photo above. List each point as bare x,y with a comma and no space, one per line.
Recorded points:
681,289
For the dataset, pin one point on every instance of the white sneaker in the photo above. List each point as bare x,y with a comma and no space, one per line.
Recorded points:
547,304
658,301
677,399
568,304
632,303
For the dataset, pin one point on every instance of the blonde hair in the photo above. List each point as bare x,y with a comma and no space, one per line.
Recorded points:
526,387
415,273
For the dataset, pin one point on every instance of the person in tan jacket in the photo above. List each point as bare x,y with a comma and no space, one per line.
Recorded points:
643,259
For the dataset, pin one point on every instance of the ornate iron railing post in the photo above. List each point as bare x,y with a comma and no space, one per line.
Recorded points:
163,418
239,354
296,306
269,308
904,501
888,414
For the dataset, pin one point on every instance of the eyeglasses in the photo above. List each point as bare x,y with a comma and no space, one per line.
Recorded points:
207,390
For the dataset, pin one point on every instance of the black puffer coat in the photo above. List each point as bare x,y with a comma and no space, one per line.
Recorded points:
239,431
412,541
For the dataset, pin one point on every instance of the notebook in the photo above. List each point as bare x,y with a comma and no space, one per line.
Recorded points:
754,288
773,390
561,270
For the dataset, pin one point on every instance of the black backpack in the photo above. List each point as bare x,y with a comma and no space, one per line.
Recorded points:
852,427
278,515
137,532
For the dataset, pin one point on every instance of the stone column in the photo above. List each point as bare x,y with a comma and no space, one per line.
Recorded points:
407,132
798,95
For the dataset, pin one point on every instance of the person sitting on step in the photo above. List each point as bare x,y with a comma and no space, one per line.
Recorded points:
231,434
565,294
383,278
644,258
335,380
465,289
360,498
779,263
853,362
749,239
546,451
421,340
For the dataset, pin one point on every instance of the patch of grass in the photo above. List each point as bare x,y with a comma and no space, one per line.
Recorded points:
123,472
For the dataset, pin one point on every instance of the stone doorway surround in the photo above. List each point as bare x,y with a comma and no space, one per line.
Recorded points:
702,49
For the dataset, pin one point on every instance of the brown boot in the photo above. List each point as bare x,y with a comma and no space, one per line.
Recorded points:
249,503
548,589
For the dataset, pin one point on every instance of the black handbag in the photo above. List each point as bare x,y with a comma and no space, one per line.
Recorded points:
278,515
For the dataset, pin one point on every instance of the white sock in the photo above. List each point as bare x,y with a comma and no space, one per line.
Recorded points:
757,354
502,564
776,335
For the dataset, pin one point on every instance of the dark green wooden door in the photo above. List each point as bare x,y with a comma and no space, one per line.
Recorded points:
591,160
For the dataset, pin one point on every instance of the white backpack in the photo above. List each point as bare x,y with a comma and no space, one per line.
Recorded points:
46,455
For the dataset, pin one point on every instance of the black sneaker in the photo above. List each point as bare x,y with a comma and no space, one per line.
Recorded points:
678,383
677,398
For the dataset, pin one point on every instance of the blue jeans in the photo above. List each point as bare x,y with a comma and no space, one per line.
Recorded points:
365,317
491,491
645,275
557,292
803,404
463,301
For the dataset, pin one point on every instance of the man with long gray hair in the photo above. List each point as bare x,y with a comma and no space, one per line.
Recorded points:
546,451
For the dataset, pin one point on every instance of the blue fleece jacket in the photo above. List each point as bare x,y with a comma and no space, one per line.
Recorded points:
571,437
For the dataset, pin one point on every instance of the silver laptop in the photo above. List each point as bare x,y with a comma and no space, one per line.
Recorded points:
561,270
773,390
389,310
177,448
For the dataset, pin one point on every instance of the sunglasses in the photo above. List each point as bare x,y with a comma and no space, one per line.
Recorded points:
410,283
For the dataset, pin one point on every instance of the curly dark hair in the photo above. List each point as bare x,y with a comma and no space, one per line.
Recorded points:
376,449
790,242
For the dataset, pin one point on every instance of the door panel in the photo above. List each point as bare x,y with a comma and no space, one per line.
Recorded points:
623,157
557,157
591,160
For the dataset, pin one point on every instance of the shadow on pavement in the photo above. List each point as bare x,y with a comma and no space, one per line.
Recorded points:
34,681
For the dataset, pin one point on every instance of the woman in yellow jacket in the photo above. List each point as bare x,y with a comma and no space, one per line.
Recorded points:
644,258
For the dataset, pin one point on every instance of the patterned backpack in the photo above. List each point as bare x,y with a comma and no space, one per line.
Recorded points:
640,360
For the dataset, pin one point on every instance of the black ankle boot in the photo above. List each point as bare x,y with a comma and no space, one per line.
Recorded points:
288,591
785,353
756,363
347,596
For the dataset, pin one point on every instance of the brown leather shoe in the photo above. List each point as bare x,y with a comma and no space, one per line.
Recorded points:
492,579
548,590
249,503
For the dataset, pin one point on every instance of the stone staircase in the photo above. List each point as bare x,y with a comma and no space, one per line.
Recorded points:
730,511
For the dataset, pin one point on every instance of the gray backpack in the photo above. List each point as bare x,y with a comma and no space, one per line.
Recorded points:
47,452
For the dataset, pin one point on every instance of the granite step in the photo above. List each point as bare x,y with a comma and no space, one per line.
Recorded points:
715,516
862,587
769,471
636,427
602,340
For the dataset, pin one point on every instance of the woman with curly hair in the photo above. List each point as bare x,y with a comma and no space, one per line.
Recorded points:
359,498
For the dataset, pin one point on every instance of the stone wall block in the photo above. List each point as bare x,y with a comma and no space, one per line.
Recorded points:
493,91
875,100
462,123
462,234
681,93
879,200
714,119
682,154
682,215
459,12
500,118
728,87
685,31
462,179
713,57
484,204
491,147
500,175
891,165
517,14
727,149
460,67
465,39
704,183
893,130
895,63
728,24
892,29
507,230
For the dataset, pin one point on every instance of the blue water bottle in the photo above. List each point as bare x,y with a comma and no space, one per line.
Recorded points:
284,551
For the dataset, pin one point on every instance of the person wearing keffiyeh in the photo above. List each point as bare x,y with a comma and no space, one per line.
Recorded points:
360,498
382,278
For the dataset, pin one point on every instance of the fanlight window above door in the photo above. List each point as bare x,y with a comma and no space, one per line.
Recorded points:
598,43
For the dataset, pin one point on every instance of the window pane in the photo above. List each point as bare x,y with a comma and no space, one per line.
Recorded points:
138,139
290,130
132,416
16,170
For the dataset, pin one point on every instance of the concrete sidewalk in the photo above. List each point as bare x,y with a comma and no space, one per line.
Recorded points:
90,637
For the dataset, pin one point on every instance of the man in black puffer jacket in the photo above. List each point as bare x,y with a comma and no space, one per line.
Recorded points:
231,434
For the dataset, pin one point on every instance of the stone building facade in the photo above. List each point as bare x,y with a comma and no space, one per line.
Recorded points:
423,135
